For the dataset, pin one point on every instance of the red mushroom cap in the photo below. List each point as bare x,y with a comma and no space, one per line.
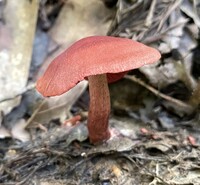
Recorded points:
91,56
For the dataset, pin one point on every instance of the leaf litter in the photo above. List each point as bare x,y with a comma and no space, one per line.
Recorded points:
155,116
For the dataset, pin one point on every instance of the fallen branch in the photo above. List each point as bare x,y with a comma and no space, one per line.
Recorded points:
187,108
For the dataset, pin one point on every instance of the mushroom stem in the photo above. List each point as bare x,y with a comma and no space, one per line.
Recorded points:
99,109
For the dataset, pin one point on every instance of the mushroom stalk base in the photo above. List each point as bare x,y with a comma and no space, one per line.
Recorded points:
99,109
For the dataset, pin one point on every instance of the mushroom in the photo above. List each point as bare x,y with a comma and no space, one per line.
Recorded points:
101,60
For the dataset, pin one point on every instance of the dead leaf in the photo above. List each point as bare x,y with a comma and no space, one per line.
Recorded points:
20,21
79,132
80,18
18,131
58,107
4,133
119,144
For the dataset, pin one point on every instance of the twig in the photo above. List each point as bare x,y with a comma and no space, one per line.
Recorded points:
131,8
149,18
167,14
179,103
35,112
31,173
140,166
159,36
